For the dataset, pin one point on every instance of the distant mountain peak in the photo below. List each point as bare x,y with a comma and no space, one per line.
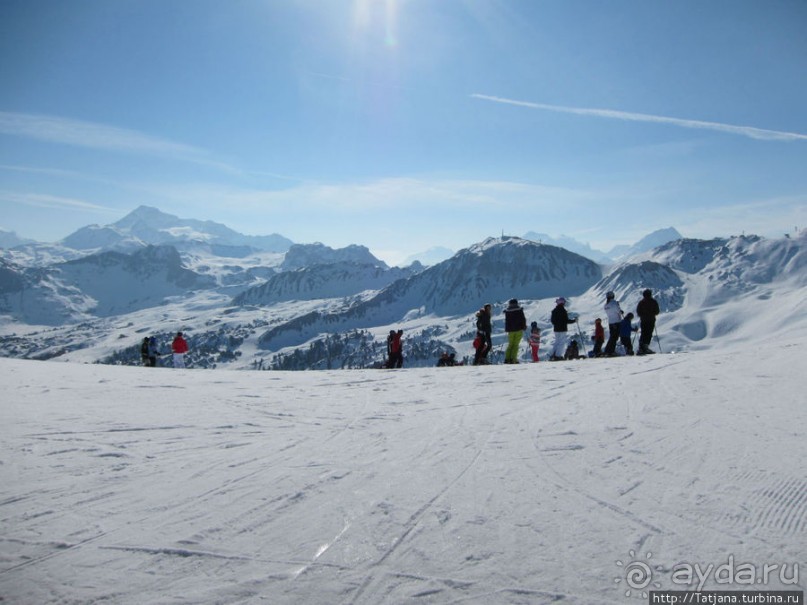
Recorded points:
658,238
569,243
153,226
9,239
432,256
146,214
655,239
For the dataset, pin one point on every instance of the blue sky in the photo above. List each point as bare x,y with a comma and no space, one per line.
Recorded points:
406,124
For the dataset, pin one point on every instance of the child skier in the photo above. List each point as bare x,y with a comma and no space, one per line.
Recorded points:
598,338
626,328
535,340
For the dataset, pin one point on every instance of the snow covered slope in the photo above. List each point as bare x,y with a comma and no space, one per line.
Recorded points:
498,485
104,284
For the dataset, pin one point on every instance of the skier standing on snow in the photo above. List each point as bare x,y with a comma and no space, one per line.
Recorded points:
535,340
614,314
484,329
647,309
389,348
626,329
144,351
179,346
598,338
560,324
515,322
153,352
572,351
395,348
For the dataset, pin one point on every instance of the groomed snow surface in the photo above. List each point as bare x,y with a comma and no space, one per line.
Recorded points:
502,484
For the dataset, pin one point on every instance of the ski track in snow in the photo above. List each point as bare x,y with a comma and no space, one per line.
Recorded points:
500,484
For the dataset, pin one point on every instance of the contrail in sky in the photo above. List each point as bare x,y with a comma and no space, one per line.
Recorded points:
746,131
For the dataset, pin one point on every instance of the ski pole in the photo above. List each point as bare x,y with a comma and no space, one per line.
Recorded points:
658,342
580,333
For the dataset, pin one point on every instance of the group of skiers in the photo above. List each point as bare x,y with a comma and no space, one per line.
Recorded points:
620,326
620,329
149,352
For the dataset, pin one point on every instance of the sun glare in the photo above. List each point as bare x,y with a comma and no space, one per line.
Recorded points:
378,15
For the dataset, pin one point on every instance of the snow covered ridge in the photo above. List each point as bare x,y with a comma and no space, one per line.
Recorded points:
333,280
500,484
338,315
151,226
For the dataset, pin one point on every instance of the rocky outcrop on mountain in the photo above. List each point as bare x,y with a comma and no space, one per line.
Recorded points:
307,255
321,281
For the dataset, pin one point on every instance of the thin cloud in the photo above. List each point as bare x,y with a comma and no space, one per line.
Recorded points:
746,131
52,202
416,194
54,129
46,171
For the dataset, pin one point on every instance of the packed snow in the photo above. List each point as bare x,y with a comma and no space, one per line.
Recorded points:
533,483
529,483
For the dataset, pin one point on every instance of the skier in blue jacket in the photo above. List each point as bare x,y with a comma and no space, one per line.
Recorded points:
626,330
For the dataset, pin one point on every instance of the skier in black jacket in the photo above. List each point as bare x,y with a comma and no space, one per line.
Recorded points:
484,329
647,309
515,322
560,324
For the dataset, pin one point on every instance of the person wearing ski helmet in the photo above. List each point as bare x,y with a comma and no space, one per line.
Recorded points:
560,326
515,322
647,310
613,313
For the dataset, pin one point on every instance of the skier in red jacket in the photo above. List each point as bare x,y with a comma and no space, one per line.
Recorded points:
179,347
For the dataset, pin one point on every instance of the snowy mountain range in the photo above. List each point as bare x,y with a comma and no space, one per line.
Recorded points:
313,306
151,226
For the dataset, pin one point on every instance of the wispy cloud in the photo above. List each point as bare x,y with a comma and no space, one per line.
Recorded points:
746,131
45,171
311,199
52,202
78,133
